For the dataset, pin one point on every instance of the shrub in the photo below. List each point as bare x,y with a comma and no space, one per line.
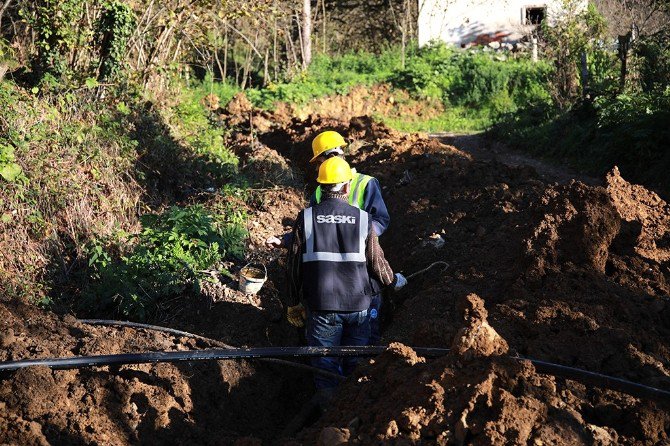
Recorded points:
488,84
654,53
9,170
328,75
169,256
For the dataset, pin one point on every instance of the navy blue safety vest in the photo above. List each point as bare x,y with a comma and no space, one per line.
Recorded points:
335,273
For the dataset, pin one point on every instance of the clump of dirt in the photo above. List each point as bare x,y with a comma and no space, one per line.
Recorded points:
238,109
476,337
577,225
636,204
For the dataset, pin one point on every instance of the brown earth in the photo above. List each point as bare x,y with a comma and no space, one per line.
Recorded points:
567,273
376,100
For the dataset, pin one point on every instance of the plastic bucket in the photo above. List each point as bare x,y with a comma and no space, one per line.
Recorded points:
252,278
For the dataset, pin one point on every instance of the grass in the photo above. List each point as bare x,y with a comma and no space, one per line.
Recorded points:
75,158
455,119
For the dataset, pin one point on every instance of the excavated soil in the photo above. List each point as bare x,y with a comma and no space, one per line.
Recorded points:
567,273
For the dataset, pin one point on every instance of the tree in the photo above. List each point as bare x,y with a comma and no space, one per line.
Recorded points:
629,20
3,8
306,33
573,34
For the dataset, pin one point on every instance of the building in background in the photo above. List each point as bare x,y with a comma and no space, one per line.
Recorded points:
466,22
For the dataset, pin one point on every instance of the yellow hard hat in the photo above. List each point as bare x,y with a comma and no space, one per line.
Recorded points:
326,141
334,170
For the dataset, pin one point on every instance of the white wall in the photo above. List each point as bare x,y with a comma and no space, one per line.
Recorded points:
461,21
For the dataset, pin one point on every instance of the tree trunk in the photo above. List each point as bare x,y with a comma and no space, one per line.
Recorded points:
325,42
306,33
3,8
624,47
585,74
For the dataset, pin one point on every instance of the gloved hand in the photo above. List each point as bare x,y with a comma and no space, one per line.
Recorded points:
273,242
400,281
296,315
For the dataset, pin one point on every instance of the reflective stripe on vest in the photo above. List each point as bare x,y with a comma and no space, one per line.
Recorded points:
311,256
356,191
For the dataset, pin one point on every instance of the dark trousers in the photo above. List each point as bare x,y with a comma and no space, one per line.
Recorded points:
375,320
329,329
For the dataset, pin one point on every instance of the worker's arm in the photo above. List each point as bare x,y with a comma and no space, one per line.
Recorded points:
374,205
294,263
377,263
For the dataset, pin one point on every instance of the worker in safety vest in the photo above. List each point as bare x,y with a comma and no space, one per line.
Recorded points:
336,264
364,193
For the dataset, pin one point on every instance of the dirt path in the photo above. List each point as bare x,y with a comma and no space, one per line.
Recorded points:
482,149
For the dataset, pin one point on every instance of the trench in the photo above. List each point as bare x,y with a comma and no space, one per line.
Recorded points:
484,212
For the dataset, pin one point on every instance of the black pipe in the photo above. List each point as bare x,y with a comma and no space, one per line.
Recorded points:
584,376
153,327
204,355
215,342
599,380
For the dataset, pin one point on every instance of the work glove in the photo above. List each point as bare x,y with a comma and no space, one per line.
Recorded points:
296,315
273,242
400,281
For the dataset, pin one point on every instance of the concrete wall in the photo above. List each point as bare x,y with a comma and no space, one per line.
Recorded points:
463,21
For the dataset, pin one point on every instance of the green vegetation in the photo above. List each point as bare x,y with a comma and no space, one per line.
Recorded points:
485,83
473,87
327,76
190,121
630,131
60,154
92,197
618,120
174,251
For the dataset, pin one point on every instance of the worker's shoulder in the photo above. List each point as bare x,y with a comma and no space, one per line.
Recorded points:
372,178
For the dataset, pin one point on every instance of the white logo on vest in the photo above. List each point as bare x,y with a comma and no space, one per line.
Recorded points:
337,219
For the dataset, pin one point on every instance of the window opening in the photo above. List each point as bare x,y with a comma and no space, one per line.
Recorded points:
535,15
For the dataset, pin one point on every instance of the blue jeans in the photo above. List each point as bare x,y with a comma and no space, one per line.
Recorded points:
329,329
375,320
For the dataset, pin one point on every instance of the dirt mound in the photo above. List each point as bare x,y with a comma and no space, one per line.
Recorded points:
645,209
577,225
560,281
466,398
376,100
201,403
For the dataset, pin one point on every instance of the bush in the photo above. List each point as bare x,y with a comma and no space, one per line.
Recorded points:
628,131
429,73
194,125
654,53
76,156
489,84
328,75
169,256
